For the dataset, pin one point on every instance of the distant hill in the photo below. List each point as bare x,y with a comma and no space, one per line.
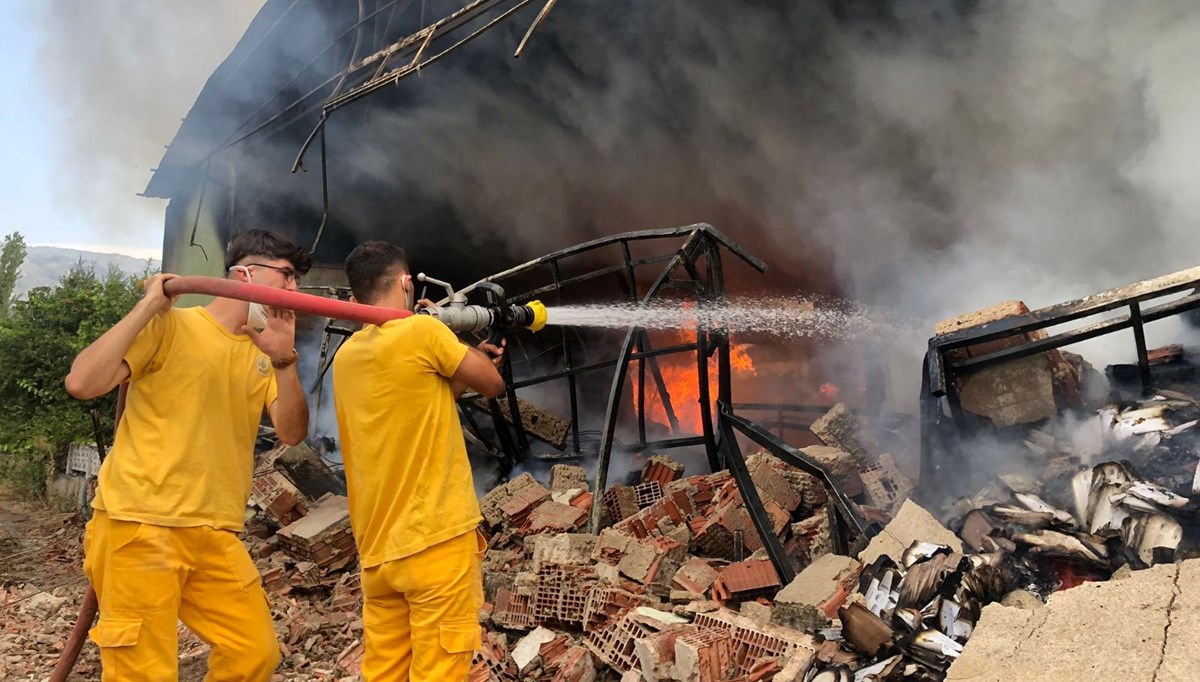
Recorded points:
45,264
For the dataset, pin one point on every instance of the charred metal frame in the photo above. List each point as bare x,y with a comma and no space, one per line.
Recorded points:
943,366
696,266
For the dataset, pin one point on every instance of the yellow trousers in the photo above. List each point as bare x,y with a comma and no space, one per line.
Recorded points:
149,577
421,613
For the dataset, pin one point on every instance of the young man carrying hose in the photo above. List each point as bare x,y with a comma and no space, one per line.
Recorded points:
163,544
412,501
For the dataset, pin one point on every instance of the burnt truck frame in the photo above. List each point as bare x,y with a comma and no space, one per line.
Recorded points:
942,416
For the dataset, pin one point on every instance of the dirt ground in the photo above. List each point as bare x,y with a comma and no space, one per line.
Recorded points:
41,589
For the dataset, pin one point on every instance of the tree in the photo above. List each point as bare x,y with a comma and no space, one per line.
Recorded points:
12,255
38,341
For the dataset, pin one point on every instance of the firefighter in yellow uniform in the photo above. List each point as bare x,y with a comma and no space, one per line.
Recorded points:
163,544
412,501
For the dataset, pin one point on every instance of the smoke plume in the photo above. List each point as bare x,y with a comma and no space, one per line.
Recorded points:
125,74
924,156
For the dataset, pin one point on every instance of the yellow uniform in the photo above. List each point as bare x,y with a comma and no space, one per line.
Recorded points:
412,500
171,497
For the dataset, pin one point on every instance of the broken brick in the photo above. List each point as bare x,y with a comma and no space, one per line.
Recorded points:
839,428
572,549
564,477
695,575
562,593
524,488
753,643
1019,391
841,466
614,645
745,580
621,502
323,536
662,469
886,486
702,655
646,494
771,483
556,517
656,654
645,557
824,584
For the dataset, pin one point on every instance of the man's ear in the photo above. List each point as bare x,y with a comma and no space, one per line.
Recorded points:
352,299
406,282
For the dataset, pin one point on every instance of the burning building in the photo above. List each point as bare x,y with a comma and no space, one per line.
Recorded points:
336,123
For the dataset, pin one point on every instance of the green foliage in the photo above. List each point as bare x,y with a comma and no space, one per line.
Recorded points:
12,255
38,341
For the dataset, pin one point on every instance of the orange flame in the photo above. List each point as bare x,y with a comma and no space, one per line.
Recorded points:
683,384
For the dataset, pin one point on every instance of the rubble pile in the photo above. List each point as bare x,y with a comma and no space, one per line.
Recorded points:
1082,521
677,584
41,587
301,544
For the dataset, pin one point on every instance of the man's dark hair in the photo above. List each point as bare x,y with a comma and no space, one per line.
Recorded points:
267,245
371,266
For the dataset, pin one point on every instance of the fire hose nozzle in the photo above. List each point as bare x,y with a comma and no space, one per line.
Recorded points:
495,318
539,316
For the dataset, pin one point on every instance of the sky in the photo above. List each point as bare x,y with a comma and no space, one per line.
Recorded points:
77,150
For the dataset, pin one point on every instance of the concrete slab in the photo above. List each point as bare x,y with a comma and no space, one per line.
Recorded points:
912,523
820,580
1144,628
1181,655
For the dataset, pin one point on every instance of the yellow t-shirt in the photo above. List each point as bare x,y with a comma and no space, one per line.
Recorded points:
184,451
407,473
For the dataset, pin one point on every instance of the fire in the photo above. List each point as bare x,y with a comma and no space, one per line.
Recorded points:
683,383
830,392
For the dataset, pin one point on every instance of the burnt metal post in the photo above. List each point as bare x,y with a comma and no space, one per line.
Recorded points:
758,513
618,382
847,510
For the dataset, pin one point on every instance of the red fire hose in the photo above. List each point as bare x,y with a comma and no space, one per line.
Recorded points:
279,298
224,288
87,612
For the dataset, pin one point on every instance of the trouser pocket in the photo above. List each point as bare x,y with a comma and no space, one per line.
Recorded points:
459,637
111,633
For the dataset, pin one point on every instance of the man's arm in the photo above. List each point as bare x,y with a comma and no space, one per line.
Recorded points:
478,372
289,411
101,366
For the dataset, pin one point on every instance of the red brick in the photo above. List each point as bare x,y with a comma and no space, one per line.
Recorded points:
614,645
746,579
621,502
576,665
555,516
524,487
696,575
647,493
703,655
562,593
514,611
662,469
